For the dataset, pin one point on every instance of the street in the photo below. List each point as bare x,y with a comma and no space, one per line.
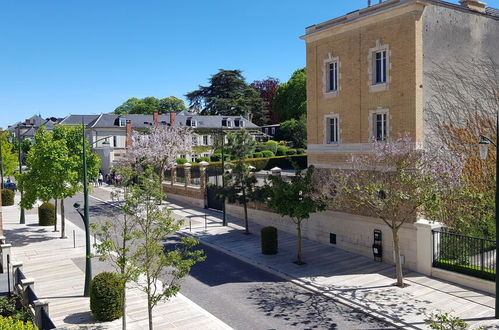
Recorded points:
244,296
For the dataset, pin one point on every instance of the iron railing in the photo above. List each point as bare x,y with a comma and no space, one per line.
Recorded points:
464,254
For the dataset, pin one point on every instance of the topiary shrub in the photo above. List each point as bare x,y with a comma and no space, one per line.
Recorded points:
106,296
202,159
270,145
269,240
281,150
291,152
257,155
181,161
7,197
300,151
267,153
46,214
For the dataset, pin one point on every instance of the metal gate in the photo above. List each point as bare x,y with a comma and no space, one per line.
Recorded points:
213,196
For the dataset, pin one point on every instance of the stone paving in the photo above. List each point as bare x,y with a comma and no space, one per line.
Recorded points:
52,263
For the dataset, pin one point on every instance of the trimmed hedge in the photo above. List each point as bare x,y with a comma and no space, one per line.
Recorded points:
291,152
106,296
257,154
267,153
283,162
7,197
486,274
269,240
218,157
300,151
202,159
8,323
281,150
181,161
46,214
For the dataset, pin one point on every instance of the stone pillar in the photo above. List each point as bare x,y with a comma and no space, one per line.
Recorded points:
2,238
275,171
40,305
27,282
174,174
5,249
187,174
425,244
16,265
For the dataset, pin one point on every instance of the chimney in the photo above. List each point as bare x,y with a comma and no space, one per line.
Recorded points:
172,118
474,5
155,118
128,129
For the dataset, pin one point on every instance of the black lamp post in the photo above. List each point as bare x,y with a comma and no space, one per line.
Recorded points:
19,142
484,148
224,213
1,162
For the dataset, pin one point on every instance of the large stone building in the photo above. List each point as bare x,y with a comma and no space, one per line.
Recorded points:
368,70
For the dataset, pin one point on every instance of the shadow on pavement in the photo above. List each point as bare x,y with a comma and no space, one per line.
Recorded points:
21,237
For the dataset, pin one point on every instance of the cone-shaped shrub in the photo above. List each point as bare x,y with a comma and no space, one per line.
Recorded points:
46,214
106,296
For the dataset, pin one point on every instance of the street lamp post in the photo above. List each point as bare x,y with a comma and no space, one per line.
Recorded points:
1,162
484,148
23,218
224,213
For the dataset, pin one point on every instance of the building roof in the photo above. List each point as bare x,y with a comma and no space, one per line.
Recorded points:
210,121
387,5
77,119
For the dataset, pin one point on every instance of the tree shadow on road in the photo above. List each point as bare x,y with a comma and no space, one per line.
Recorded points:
304,309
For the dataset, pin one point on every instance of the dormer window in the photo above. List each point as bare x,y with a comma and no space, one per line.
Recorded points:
238,122
226,122
190,122
122,122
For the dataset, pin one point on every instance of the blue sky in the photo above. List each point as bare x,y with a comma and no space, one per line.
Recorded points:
88,56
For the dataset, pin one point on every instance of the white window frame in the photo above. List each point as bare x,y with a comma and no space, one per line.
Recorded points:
328,138
372,71
373,124
206,140
326,78
122,122
272,130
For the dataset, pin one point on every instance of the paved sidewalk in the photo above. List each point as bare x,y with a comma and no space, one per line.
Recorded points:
56,267
355,280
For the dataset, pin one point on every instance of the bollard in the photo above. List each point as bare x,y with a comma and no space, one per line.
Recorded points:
205,223
74,240
190,224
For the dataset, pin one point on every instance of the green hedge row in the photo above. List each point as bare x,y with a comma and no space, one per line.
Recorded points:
486,274
283,162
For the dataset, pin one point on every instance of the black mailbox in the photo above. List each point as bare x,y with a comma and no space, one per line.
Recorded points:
377,247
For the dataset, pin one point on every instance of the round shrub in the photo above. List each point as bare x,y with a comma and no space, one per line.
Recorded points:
181,161
267,153
9,323
202,159
281,150
46,214
269,240
270,145
300,151
7,197
106,296
257,155
291,152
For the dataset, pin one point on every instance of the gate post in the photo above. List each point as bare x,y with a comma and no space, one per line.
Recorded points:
174,174
187,174
202,179
425,244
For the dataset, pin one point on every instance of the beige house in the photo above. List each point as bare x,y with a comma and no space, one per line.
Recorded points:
367,70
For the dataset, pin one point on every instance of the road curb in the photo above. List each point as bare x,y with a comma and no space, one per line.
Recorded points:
308,286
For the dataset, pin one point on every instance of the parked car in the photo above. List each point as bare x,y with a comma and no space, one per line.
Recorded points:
10,185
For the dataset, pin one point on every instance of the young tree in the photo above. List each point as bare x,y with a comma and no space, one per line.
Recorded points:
267,89
119,236
154,225
228,94
291,98
297,199
161,146
240,183
9,157
395,183
171,104
295,131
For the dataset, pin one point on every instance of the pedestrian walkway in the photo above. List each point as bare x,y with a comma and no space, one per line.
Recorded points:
56,265
352,279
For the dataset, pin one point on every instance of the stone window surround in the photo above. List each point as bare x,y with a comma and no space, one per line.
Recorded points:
373,88
326,129
325,75
371,123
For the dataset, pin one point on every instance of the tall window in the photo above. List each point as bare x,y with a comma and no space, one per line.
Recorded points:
205,140
333,130
333,77
115,141
380,126
379,67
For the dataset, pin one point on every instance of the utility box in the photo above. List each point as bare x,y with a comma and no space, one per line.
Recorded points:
377,246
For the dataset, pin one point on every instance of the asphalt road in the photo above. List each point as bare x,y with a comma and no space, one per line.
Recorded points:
244,296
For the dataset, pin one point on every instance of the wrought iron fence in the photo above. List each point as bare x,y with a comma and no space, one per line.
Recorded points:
464,254
195,176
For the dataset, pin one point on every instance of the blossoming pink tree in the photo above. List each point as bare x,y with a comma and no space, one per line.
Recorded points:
161,146
396,183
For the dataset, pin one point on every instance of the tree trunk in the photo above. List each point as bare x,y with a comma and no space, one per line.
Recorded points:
161,175
149,303
398,265
246,224
298,247
55,224
123,318
63,221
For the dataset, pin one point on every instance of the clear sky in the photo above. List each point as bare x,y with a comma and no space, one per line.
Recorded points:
88,56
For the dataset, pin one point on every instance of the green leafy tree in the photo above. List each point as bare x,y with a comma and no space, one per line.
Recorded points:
118,237
228,94
240,183
295,131
291,98
9,157
171,104
154,224
297,199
